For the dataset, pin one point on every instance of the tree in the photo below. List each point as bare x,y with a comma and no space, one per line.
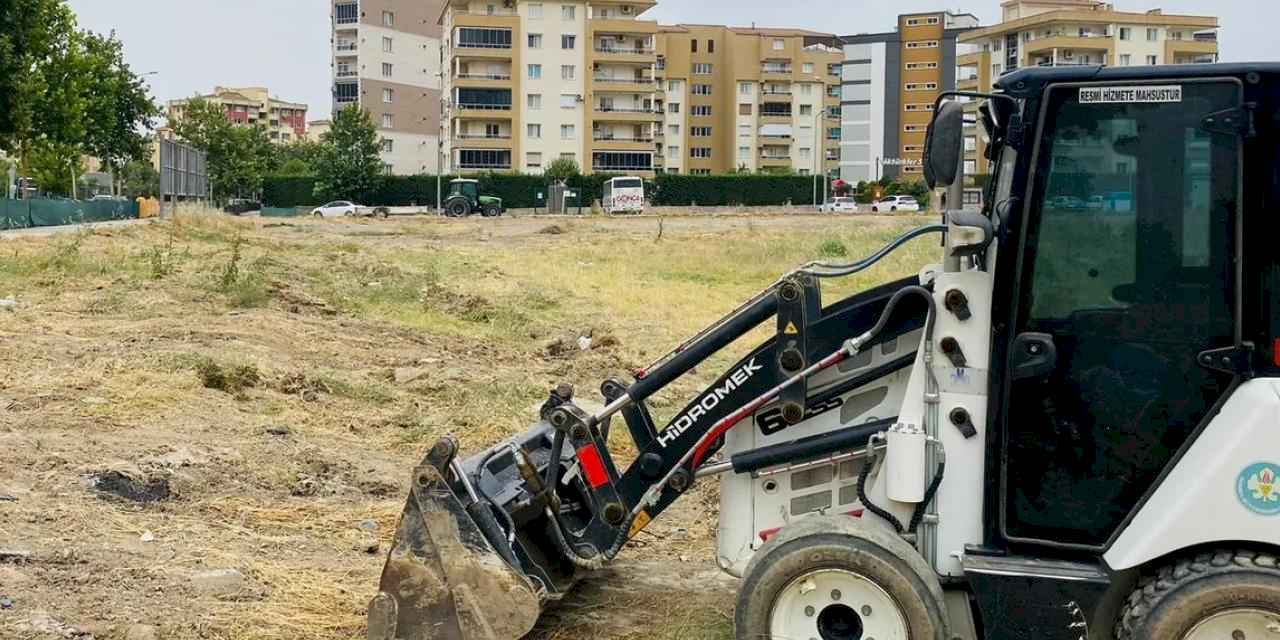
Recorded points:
35,37
52,166
238,157
349,167
118,111
562,169
139,179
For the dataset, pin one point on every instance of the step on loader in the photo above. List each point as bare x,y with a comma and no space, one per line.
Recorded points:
1068,428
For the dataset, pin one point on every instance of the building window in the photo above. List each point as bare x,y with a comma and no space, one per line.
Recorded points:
711,46
806,89
1151,60
693,46
535,72
923,86
535,41
745,109
388,95
533,160
568,12
700,132
567,72
535,102
673,85
386,45
1175,35
388,121
477,38
386,69
923,44
912,148
806,110
674,129
745,88
701,69
920,107
388,19
1126,59
744,153
534,131
699,172
779,45
484,159
569,156
700,152
388,145
567,132
673,107
701,110
701,89
347,13
914,66
535,11
568,41
915,128
1153,35
744,131
568,101
388,168
804,153
970,144
673,152
995,69
1126,33
806,67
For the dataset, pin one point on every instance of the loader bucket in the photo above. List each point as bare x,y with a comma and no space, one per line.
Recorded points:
445,578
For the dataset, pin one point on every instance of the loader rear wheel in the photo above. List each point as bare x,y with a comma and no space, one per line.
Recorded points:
1232,595
834,587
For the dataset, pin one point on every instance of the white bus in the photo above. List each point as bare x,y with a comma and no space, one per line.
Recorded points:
623,195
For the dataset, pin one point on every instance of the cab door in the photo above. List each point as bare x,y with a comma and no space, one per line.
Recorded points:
1126,277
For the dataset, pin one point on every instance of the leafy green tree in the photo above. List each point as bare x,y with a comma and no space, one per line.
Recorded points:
139,179
562,169
36,41
349,166
306,152
52,166
119,109
239,157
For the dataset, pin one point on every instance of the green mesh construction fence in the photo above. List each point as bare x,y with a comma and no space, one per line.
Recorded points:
19,214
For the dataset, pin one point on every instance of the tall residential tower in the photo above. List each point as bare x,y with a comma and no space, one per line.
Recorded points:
387,59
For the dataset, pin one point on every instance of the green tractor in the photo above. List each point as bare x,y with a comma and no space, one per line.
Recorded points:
464,199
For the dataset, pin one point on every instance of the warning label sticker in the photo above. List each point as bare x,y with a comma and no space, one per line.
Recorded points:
1123,95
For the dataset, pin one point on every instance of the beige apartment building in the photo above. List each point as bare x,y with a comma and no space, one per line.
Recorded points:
386,60
1076,32
284,121
527,82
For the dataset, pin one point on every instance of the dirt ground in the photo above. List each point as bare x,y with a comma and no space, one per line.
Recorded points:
207,424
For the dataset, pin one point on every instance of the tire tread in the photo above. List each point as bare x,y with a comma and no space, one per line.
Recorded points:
1153,589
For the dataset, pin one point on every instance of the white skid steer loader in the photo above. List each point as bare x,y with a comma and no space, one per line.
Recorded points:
1067,429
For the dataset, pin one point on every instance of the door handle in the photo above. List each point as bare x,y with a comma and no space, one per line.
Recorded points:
1034,355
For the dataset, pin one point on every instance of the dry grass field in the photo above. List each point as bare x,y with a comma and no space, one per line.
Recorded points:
206,422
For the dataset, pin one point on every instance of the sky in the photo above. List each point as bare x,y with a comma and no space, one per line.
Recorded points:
193,45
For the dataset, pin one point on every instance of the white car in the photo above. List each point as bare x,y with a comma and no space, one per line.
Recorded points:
347,209
895,204
840,205
337,209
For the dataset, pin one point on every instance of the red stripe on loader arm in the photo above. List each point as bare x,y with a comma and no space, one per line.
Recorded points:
592,466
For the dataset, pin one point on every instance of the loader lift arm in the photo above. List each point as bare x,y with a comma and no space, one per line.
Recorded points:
523,520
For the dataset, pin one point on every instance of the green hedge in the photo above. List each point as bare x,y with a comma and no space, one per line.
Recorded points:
519,191
751,190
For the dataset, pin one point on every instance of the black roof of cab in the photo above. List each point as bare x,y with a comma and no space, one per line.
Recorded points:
1031,81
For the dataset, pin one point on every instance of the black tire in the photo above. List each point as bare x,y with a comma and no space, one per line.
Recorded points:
893,210
875,209
457,208
771,574
382,212
492,211
1182,594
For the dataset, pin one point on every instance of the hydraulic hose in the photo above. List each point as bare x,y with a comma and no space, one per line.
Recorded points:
862,486
840,270
593,562
918,516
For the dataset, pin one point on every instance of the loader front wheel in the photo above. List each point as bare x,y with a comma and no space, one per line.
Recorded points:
834,587
1223,594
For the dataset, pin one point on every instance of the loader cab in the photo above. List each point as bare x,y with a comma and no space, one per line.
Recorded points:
1123,323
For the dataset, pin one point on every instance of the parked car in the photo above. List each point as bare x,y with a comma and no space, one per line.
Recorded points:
895,204
348,209
1096,203
1066,202
839,205
241,206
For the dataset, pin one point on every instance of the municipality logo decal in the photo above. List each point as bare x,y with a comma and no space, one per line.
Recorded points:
1259,488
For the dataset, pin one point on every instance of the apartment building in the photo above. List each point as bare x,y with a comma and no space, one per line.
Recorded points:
284,121
889,84
1075,32
387,60
529,82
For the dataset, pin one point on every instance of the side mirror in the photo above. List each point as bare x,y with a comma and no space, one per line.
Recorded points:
943,144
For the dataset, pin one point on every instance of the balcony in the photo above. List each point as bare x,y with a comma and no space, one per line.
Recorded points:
609,113
624,84
345,73
775,160
1175,49
484,159
785,93
776,72
776,117
624,53
482,80
345,46
488,41
967,84
622,162
1073,42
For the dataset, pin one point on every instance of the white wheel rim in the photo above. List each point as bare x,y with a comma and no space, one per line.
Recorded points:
1237,624
834,604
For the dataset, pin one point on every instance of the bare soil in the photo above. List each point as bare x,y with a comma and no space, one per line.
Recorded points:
205,423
